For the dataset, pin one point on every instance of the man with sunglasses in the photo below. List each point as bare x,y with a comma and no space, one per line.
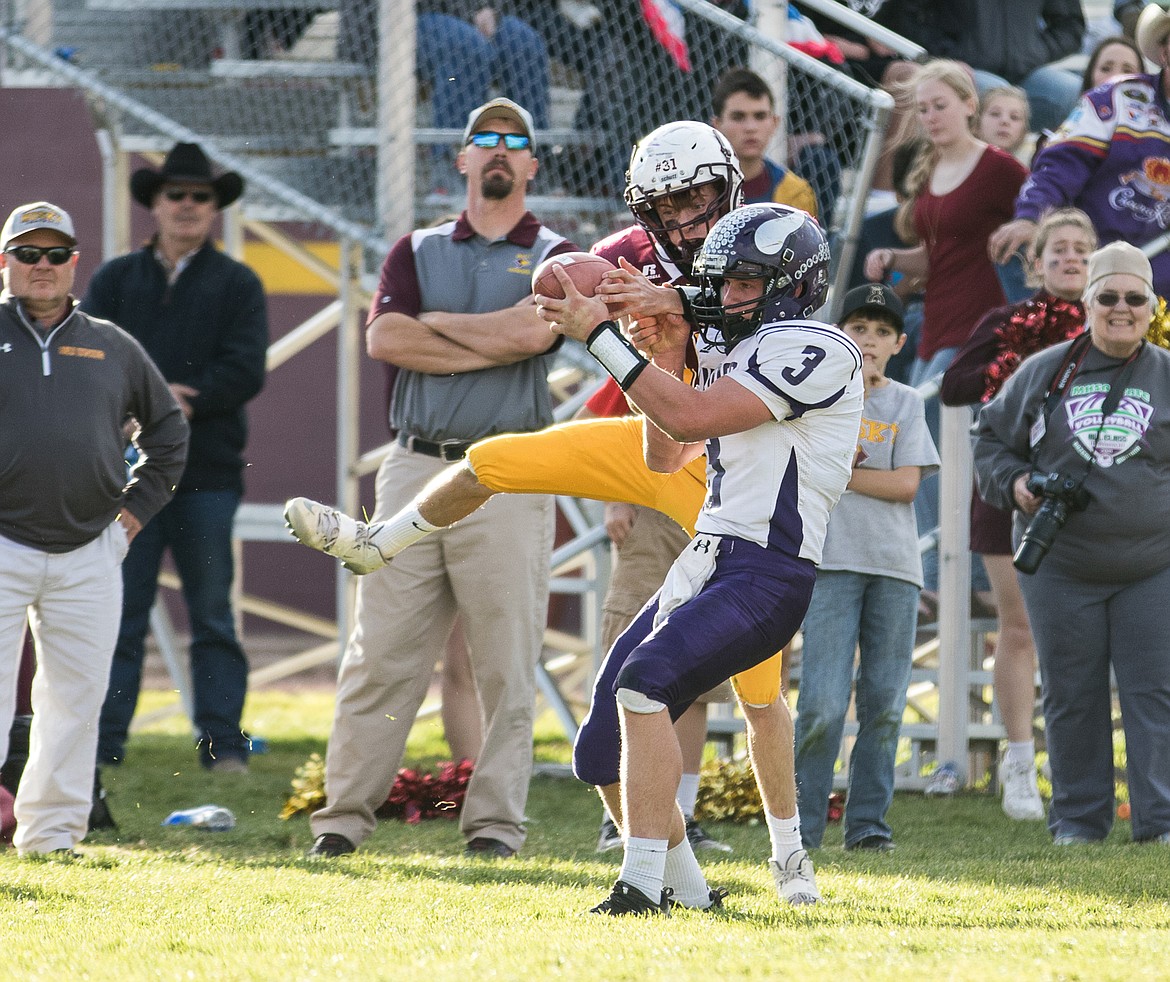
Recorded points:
67,512
201,316
454,317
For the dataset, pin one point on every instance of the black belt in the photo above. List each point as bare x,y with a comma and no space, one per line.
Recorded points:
448,450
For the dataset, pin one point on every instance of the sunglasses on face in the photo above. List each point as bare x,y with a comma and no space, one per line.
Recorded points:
31,255
1111,298
182,194
489,140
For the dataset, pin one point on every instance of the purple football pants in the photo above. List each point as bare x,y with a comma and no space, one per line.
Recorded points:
748,610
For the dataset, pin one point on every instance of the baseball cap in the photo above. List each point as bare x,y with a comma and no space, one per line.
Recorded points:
1119,257
875,297
36,215
500,109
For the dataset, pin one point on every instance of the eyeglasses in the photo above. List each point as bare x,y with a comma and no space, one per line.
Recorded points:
182,194
31,255
1111,298
489,140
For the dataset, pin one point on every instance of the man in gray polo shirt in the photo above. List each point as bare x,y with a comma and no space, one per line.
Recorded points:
454,315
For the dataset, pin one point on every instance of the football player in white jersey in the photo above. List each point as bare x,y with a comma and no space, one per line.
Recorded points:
776,407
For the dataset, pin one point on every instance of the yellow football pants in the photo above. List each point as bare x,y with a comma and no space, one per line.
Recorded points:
602,459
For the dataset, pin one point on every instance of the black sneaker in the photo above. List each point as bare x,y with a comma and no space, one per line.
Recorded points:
330,845
608,836
625,899
99,812
484,848
715,898
872,843
699,838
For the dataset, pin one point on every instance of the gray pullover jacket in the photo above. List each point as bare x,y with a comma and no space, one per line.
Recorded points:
64,398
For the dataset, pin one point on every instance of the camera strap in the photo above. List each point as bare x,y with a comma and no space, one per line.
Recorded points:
1063,379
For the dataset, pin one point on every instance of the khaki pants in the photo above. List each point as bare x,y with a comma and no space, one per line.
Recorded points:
492,569
73,601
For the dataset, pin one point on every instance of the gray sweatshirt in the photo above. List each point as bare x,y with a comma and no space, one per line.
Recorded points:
1124,533
64,397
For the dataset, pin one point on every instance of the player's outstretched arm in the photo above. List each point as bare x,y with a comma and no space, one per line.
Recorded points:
685,415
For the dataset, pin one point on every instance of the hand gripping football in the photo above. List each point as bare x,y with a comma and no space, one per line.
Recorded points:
585,270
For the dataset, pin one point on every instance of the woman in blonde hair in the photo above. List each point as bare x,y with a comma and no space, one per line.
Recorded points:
959,191
1000,341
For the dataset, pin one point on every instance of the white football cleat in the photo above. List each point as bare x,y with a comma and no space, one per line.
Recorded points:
334,533
795,880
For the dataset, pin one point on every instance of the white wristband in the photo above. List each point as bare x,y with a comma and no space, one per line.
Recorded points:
616,355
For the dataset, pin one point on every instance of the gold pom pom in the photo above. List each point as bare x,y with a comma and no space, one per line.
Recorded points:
728,792
308,786
1159,332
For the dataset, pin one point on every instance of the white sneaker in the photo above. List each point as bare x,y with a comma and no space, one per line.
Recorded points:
795,881
1021,797
334,533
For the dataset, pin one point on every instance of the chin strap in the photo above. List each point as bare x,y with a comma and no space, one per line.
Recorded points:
616,354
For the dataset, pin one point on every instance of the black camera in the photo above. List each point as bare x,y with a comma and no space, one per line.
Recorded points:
1062,496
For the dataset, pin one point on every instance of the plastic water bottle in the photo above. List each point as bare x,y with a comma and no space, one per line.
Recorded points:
944,782
210,817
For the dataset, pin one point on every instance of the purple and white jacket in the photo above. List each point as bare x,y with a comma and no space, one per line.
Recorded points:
1111,158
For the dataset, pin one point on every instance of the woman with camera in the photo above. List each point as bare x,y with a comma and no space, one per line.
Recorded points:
1078,442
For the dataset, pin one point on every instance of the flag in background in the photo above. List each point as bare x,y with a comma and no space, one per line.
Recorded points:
669,29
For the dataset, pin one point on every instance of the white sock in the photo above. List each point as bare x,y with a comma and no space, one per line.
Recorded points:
644,865
1021,753
401,530
683,875
785,836
688,794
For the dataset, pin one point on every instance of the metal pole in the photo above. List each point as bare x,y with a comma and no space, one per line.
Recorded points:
348,356
397,101
846,245
954,584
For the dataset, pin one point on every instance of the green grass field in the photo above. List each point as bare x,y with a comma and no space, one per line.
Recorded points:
967,895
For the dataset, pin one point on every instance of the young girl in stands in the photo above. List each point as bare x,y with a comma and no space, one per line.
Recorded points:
1003,121
1000,341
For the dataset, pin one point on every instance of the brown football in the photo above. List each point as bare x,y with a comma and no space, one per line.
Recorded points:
584,269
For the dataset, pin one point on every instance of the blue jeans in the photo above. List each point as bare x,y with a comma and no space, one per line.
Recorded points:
926,507
879,612
460,63
197,527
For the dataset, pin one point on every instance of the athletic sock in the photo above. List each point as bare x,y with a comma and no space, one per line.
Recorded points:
644,865
688,794
400,531
785,836
1021,753
683,875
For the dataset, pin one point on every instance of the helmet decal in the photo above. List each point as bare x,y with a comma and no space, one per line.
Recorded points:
782,246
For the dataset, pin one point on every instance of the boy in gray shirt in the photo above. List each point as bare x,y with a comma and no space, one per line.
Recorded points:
867,591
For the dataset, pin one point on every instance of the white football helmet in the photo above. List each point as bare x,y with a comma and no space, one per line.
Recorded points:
678,157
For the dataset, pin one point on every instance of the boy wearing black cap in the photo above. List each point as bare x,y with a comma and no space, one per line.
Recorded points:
866,591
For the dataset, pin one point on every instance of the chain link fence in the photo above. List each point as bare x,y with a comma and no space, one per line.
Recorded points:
358,105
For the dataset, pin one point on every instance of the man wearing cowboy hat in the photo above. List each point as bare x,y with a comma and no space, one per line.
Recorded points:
1109,159
201,316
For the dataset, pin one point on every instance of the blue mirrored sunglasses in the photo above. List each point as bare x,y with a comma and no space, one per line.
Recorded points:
489,140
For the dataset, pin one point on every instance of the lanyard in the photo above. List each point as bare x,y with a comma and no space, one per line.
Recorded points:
1063,379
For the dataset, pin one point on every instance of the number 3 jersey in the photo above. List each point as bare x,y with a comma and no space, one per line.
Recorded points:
776,484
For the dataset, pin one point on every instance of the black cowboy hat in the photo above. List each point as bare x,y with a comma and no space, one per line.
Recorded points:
186,162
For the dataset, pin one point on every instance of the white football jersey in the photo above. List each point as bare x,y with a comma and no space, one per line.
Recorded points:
776,484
